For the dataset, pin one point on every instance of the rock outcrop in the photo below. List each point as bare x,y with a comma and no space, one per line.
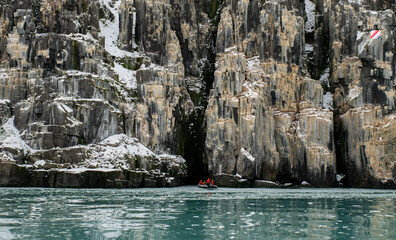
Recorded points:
107,93
363,81
163,102
169,110
71,95
262,126
265,117
268,124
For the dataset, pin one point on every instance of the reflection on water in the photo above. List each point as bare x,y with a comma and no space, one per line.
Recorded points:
191,213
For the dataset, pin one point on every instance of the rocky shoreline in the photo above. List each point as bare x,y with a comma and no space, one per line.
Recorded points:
15,175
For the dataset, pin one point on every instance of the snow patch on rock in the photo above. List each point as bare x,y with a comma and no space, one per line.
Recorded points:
110,31
354,93
328,101
359,2
308,47
324,79
126,76
11,138
39,163
249,90
247,155
253,63
115,152
172,160
4,101
3,73
339,177
310,11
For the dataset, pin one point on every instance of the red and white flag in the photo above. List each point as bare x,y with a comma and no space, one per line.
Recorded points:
375,34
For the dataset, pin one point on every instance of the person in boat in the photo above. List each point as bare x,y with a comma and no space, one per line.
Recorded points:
200,182
208,182
212,183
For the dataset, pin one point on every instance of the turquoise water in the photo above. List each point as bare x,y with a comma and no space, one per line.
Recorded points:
193,213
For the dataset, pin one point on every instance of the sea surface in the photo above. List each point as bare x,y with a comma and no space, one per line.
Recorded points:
192,213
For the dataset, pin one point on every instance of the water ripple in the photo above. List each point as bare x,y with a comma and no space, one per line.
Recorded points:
192,213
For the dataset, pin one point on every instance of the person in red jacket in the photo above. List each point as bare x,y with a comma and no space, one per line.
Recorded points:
208,181
200,182
212,182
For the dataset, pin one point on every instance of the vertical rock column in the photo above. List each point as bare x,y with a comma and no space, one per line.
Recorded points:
363,80
127,19
163,101
264,117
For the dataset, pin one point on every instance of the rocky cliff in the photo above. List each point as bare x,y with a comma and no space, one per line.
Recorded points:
69,99
363,81
115,93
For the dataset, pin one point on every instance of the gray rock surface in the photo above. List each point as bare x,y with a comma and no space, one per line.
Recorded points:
98,93
13,175
363,81
256,131
67,107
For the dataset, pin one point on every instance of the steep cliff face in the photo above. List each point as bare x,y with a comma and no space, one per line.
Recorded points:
248,90
265,117
162,93
70,91
363,81
170,108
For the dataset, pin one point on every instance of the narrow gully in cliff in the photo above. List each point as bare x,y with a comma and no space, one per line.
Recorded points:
193,130
110,31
